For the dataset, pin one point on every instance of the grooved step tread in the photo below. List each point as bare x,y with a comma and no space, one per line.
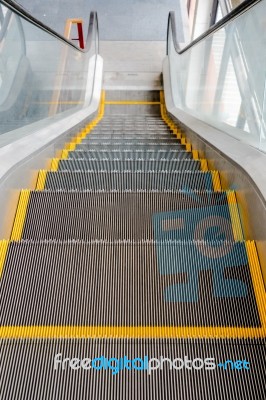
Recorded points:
168,383
118,284
128,165
131,154
126,146
115,180
129,216
127,136
129,141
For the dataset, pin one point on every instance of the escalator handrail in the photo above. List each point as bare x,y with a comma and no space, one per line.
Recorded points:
243,7
19,10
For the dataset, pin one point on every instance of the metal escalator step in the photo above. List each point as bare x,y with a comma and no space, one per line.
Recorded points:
36,374
131,128
138,132
131,125
133,181
126,216
128,165
131,154
130,135
97,284
134,120
91,140
142,146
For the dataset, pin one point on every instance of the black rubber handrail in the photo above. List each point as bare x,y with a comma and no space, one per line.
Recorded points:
20,11
243,7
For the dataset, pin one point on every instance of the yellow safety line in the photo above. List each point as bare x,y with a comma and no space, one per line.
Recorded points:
195,154
20,215
188,147
123,332
216,181
204,165
171,124
54,164
41,180
3,252
64,155
257,280
132,102
71,146
235,217
236,223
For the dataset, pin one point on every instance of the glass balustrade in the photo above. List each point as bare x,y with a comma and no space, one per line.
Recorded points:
221,79
42,77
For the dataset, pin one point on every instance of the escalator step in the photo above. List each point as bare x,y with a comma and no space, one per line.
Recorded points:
131,154
128,140
118,284
132,128
129,136
127,216
128,165
133,181
144,130
142,146
36,375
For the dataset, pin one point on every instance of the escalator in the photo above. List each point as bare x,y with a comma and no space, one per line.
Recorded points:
127,273
101,263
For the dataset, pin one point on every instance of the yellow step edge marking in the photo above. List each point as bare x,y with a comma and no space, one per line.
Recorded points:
235,217
79,140
173,126
41,180
3,252
84,134
204,165
20,215
71,146
195,154
54,164
188,147
64,155
124,332
257,280
216,181
177,131
132,102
